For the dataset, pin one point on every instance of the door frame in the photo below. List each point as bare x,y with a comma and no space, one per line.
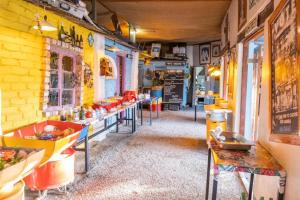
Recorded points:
121,62
244,80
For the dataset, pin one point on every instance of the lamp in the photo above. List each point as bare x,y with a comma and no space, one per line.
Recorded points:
43,25
216,72
113,48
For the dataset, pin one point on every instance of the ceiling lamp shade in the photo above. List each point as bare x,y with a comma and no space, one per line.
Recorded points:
43,25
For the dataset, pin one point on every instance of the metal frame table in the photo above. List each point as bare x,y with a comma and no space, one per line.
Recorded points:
130,108
256,161
149,102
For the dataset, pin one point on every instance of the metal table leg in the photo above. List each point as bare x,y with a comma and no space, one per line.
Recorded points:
215,187
195,112
157,108
208,173
141,113
251,187
282,182
150,112
134,118
117,124
86,153
132,121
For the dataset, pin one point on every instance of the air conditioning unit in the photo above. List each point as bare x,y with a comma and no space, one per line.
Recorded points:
74,7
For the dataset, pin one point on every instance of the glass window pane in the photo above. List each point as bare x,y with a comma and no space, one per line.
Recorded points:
67,64
53,79
53,98
67,80
67,97
54,60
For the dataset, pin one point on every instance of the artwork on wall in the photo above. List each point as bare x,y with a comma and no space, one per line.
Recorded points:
205,54
283,43
88,76
252,3
242,13
215,49
225,33
106,68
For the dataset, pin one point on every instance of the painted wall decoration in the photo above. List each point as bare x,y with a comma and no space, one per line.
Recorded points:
242,13
70,37
106,68
88,76
205,54
284,73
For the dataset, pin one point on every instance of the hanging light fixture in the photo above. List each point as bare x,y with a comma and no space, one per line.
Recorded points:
113,48
216,72
43,25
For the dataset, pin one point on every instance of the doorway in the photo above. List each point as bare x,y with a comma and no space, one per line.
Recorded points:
251,86
121,75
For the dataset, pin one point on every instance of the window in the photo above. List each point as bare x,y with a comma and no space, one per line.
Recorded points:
61,87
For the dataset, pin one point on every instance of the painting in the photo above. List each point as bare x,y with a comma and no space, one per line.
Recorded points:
242,13
215,49
106,67
205,54
284,47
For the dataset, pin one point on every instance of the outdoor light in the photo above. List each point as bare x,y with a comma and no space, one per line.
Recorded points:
114,48
43,25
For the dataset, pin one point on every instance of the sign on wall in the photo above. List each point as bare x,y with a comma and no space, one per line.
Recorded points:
284,73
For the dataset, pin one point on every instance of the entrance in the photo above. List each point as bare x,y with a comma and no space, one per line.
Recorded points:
251,84
121,75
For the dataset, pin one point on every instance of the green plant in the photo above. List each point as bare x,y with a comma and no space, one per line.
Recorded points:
244,197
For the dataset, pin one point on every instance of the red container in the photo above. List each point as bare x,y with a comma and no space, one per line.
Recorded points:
54,173
156,106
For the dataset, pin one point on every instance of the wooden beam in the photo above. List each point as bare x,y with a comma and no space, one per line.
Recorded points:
104,13
131,1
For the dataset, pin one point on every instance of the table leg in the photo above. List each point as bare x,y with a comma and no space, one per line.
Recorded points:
117,125
251,187
126,117
105,123
86,152
141,113
208,173
195,113
132,121
157,108
215,187
150,113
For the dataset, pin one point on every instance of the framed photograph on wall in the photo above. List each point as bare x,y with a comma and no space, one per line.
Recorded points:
242,13
205,54
284,70
215,49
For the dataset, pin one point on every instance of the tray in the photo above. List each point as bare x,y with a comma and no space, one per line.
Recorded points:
233,141
52,147
14,173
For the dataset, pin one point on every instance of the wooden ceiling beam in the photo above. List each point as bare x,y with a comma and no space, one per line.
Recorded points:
129,1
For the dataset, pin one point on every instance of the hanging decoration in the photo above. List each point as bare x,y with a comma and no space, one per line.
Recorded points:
91,40
72,37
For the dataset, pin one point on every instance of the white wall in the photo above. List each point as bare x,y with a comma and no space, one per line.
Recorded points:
189,53
135,71
99,83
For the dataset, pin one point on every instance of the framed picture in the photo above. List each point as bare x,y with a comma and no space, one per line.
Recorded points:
252,3
284,69
205,54
242,13
215,49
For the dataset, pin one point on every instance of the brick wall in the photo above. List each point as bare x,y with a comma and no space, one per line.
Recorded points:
22,65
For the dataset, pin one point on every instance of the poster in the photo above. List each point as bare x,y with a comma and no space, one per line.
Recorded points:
284,72
205,54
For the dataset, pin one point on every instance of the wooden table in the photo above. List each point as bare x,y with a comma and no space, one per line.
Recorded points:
256,161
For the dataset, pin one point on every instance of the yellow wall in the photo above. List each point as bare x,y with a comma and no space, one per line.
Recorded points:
21,61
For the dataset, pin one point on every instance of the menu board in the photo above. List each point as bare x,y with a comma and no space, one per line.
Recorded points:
173,87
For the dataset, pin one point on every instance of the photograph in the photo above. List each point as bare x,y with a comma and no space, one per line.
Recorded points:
205,54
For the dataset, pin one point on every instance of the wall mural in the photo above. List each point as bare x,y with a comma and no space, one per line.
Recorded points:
284,71
106,68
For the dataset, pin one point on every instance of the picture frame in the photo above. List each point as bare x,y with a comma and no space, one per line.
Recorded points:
284,62
205,54
242,13
216,49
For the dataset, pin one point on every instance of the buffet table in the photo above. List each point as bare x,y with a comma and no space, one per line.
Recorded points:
130,115
256,161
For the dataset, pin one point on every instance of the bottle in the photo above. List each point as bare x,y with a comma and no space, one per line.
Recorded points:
81,114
